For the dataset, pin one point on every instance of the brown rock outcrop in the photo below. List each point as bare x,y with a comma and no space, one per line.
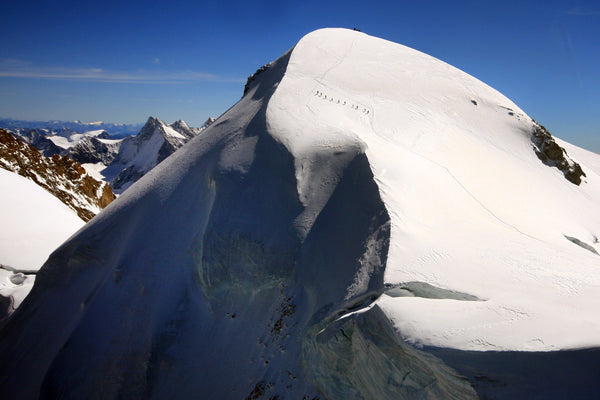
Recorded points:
63,177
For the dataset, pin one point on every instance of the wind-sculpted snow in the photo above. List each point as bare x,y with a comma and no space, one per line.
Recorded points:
363,206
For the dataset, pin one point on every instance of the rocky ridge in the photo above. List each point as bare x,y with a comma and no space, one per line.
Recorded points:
121,162
60,175
553,155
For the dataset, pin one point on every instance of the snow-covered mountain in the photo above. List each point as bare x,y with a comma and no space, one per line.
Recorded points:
54,127
139,154
38,139
366,222
86,147
91,150
120,162
68,139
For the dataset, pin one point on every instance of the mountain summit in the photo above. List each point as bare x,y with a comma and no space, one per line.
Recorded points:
366,222
139,154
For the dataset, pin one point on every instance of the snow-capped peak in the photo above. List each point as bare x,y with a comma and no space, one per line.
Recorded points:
181,124
141,153
361,206
458,172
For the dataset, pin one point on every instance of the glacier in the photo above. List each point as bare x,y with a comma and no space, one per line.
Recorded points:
366,222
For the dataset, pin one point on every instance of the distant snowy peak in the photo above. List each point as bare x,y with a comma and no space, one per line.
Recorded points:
182,127
151,126
177,131
208,123
174,135
94,149
155,142
89,123
68,139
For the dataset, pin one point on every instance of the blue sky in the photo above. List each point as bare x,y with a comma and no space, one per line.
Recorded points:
122,61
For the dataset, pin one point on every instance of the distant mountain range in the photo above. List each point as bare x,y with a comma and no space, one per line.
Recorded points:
55,126
102,149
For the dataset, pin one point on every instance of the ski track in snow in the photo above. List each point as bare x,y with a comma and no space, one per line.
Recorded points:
480,203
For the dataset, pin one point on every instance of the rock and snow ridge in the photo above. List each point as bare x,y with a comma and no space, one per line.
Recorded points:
35,192
120,162
57,171
34,223
63,177
362,207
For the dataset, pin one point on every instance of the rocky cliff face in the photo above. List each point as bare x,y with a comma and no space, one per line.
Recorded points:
60,175
93,150
38,139
551,154
182,127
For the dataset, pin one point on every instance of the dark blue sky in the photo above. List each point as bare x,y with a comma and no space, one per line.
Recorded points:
124,61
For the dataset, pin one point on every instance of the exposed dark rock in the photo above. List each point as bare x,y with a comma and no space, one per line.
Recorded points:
65,178
551,154
582,244
128,175
5,308
92,150
252,77
183,128
40,141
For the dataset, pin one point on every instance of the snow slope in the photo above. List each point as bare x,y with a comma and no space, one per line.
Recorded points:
362,207
472,208
34,223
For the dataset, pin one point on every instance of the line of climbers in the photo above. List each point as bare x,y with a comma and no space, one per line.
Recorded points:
331,99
